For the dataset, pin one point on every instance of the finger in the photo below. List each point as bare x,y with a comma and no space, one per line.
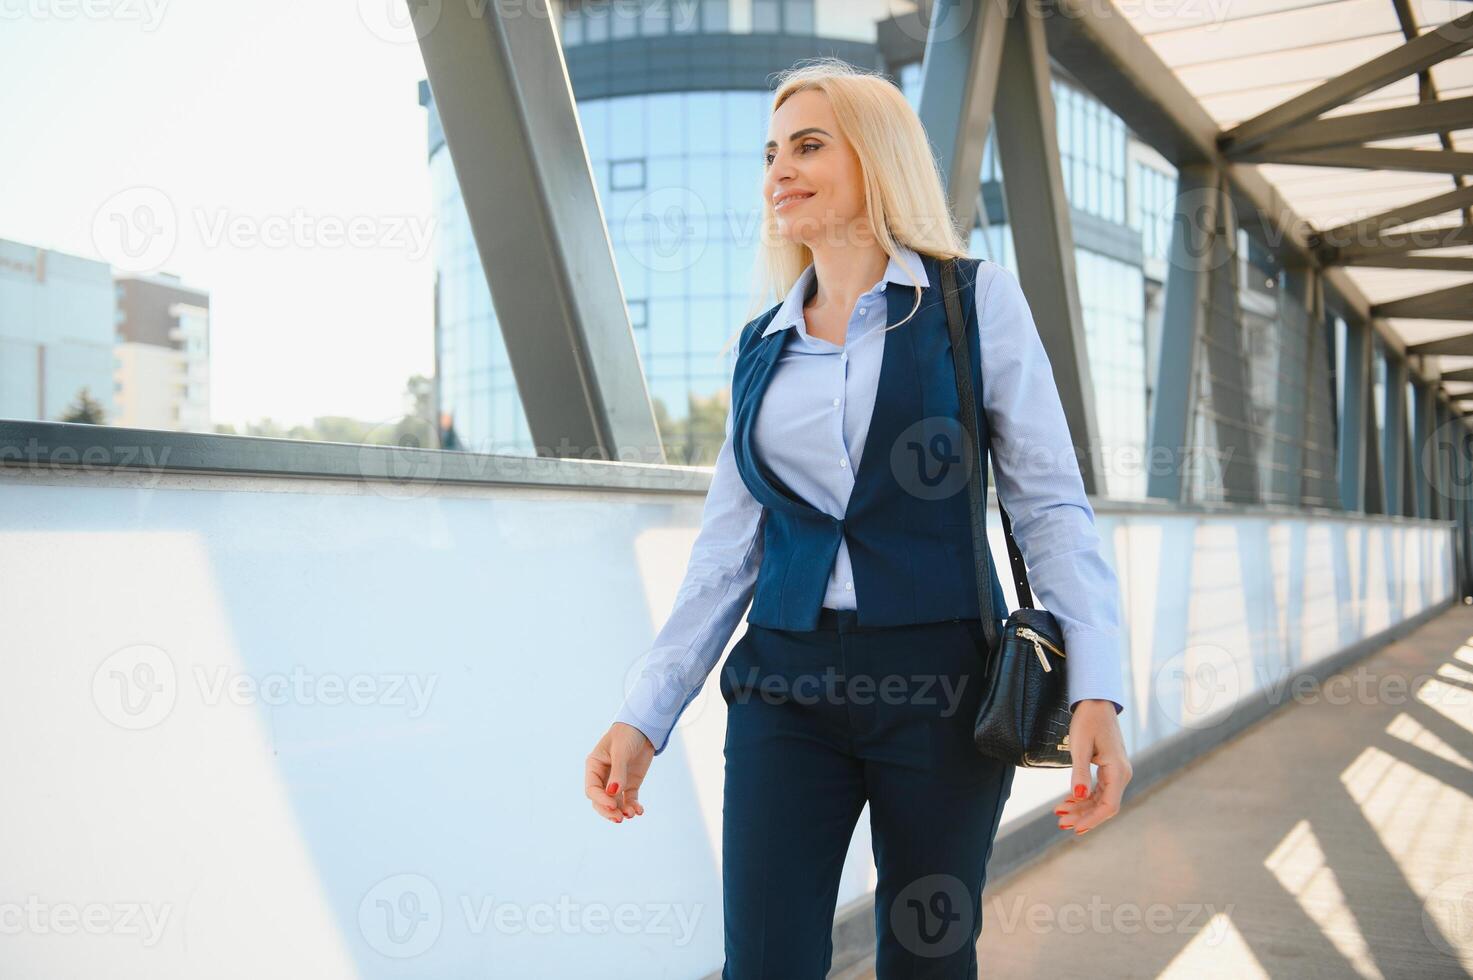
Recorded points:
595,774
595,778
601,801
1108,802
618,779
1081,752
631,803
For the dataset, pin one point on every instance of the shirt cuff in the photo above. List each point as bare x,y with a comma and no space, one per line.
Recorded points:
654,705
1094,666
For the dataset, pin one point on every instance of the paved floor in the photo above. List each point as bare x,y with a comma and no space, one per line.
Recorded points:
1333,839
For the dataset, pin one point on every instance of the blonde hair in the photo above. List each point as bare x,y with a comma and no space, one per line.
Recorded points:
905,200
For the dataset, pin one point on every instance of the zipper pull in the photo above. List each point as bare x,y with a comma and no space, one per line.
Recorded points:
1032,637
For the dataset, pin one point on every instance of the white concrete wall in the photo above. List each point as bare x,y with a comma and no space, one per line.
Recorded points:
308,728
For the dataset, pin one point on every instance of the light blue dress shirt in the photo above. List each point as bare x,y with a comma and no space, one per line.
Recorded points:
810,430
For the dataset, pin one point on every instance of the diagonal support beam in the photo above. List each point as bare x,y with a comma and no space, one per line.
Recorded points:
1369,158
1452,303
1431,263
959,73
1373,227
973,51
1462,344
1362,127
1421,52
1396,243
502,91
1201,342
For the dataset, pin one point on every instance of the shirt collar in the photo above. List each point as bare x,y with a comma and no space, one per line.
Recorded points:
791,311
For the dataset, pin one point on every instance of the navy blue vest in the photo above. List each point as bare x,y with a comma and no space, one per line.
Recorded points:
907,523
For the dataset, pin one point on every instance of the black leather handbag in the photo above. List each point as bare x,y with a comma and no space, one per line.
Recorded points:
1024,717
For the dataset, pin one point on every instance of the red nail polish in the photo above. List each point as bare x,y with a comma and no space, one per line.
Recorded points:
1079,790
613,788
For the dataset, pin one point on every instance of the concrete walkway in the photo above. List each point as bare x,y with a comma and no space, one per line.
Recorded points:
1333,839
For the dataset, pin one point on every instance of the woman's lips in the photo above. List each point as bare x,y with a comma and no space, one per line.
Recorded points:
783,205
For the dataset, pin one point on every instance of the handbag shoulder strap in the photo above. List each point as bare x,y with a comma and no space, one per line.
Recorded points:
962,363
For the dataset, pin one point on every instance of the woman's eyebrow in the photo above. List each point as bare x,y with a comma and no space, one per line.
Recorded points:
800,133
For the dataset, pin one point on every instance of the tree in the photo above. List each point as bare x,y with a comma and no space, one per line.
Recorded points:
85,409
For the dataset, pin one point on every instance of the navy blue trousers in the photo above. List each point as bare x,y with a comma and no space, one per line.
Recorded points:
820,722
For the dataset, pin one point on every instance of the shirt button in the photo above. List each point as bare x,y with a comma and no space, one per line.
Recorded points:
844,356
862,310
843,462
849,586
836,401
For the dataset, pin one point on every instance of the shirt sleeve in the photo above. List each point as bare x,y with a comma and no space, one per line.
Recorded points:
1038,482
717,588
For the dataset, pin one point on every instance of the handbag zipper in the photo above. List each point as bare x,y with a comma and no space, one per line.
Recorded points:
1039,643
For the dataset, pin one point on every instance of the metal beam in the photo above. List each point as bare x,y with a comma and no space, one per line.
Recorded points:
1422,427
1462,344
1109,57
1451,303
1291,397
1033,183
1417,54
1376,225
1374,491
1393,433
1369,158
1201,344
501,88
1401,242
1354,393
1430,263
959,73
1356,129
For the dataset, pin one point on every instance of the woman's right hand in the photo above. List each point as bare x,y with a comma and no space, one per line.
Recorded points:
614,771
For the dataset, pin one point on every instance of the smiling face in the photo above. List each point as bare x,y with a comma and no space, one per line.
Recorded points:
813,181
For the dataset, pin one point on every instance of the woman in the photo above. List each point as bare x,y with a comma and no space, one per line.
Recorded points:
834,511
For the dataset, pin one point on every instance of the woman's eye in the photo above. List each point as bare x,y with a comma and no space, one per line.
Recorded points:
767,158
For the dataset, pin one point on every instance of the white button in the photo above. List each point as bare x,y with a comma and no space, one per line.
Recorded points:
843,462
861,309
849,586
836,401
844,356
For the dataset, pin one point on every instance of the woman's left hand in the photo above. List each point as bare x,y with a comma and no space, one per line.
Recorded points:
1094,736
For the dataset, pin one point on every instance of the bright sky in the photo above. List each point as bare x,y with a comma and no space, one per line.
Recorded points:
272,154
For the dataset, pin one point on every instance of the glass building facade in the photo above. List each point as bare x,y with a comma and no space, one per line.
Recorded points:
679,175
